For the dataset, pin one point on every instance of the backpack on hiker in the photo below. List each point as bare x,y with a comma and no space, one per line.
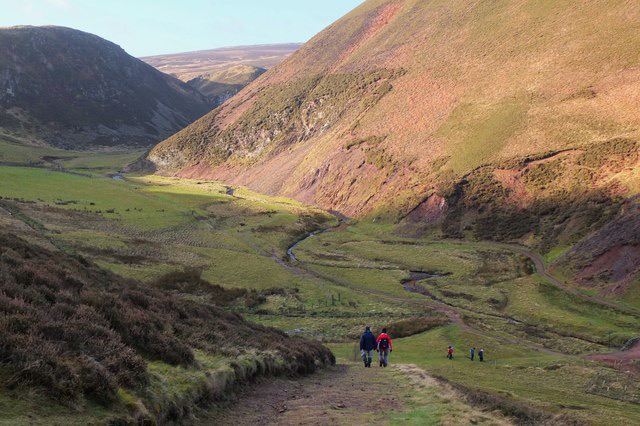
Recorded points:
384,344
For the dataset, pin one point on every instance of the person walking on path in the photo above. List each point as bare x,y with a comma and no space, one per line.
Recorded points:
472,353
481,355
384,346
450,352
367,346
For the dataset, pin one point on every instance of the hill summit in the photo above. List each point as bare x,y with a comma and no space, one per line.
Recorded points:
72,89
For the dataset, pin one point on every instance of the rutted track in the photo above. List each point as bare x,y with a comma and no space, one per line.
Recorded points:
347,394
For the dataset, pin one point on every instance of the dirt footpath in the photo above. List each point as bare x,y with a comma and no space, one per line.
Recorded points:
628,360
340,395
347,394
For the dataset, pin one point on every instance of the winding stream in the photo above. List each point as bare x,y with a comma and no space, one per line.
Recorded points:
292,257
342,220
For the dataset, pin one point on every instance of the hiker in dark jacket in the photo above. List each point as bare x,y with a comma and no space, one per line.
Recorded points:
481,355
367,346
472,353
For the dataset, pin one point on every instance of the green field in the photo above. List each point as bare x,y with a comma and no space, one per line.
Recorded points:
87,161
535,335
558,383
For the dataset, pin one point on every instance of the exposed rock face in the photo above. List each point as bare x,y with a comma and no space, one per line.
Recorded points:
75,90
609,259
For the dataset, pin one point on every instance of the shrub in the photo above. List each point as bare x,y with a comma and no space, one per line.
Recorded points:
254,299
409,327
190,281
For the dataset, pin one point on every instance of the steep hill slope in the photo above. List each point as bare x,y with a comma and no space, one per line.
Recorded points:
71,89
511,120
399,90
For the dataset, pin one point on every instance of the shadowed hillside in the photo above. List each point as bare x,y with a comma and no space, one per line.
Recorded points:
71,89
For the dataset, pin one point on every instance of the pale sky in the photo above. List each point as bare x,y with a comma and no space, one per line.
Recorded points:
150,27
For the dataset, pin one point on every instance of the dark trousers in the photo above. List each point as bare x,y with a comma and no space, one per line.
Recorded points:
384,357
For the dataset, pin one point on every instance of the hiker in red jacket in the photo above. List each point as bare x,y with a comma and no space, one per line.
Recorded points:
450,352
384,346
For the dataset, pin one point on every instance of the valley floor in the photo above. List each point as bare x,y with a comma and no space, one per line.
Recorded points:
431,293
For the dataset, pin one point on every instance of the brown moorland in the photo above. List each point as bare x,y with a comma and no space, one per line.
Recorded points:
189,65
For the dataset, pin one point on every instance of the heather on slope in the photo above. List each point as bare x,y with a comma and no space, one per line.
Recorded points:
79,332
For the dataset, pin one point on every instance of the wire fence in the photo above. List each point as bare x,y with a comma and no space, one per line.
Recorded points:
616,385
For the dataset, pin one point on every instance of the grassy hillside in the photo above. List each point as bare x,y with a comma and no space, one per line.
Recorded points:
462,84
71,89
507,120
